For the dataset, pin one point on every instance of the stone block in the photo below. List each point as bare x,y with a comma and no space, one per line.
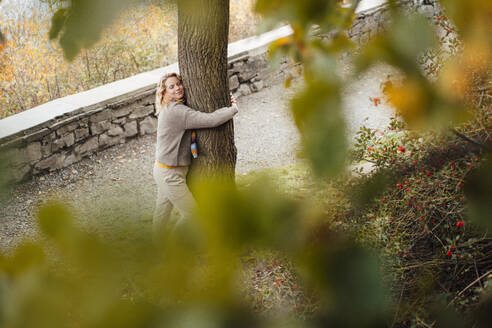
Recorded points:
51,163
81,133
87,147
257,86
148,126
69,139
246,70
363,38
100,127
46,147
65,141
142,111
244,89
122,111
131,129
120,121
37,135
233,82
70,158
237,67
101,116
256,63
67,128
246,75
115,130
105,140
57,145
33,151
355,30
84,123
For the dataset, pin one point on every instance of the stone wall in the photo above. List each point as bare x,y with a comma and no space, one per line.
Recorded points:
62,132
68,140
373,21
249,75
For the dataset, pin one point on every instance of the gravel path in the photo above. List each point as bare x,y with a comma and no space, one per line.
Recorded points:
116,186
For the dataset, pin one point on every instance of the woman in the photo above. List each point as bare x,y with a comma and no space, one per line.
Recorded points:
175,145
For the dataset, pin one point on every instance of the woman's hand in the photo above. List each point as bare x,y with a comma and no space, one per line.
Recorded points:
233,103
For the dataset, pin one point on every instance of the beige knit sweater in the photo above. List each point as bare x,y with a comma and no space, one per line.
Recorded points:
174,126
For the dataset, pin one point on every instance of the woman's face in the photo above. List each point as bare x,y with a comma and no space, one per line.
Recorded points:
174,88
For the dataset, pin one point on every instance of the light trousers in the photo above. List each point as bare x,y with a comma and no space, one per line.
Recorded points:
172,191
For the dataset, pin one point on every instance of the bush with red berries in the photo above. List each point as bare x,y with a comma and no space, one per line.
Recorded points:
419,218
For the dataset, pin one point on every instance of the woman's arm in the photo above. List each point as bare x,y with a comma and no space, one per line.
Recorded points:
199,120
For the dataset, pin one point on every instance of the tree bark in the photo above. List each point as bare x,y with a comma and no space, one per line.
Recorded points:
203,28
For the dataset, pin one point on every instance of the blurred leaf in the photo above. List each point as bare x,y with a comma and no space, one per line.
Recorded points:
478,189
445,316
57,22
210,315
470,16
80,24
317,113
12,170
327,14
56,221
411,35
370,188
288,81
320,65
408,36
347,278
257,216
483,314
26,257
411,100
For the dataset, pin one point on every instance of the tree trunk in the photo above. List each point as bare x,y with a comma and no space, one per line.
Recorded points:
203,28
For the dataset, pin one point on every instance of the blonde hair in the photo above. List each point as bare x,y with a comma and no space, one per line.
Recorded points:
160,102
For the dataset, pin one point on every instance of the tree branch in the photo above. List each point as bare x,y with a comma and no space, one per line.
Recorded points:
476,143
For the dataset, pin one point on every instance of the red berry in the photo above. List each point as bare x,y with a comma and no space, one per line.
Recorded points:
376,101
